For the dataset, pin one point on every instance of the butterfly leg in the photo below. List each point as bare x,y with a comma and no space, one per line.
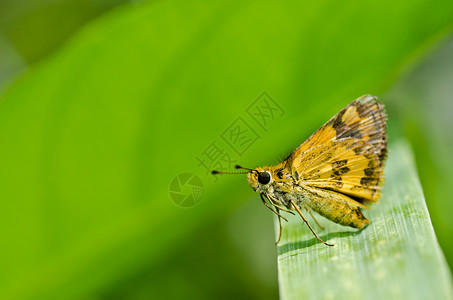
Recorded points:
273,200
280,229
273,210
309,211
305,220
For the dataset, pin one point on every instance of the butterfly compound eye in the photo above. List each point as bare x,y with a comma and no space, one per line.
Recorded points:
264,177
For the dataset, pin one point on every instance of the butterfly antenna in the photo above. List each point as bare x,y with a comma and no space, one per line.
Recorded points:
239,167
214,172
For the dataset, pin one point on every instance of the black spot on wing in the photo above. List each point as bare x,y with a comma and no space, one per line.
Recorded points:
339,167
339,163
338,123
369,171
362,109
369,181
341,171
354,133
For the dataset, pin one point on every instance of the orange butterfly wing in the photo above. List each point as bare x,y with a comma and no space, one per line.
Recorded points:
347,154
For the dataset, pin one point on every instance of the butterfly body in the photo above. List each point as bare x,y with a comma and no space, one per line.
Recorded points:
330,205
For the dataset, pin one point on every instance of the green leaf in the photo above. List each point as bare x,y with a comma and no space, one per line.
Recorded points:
396,257
92,137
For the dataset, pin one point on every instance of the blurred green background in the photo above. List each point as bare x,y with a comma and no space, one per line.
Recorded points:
104,103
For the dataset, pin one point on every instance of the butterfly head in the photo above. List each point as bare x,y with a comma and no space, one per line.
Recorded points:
260,180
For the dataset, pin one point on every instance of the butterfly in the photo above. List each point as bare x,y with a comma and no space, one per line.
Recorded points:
336,172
